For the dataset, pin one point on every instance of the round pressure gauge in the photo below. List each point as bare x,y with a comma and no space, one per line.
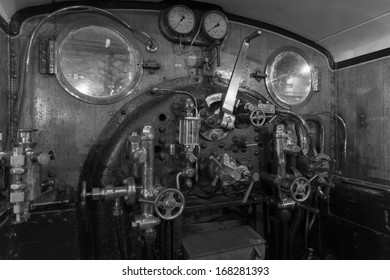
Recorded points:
181,19
215,25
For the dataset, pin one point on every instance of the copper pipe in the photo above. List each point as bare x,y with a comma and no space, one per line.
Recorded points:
302,122
320,123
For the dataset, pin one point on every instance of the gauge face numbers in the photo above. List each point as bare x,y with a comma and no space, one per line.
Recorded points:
181,19
215,25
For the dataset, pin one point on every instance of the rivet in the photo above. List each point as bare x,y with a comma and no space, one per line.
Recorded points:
162,156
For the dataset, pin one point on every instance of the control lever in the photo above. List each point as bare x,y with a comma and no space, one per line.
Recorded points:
229,99
255,178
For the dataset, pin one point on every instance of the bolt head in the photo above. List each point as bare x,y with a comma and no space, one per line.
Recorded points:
190,172
147,129
44,158
170,204
140,156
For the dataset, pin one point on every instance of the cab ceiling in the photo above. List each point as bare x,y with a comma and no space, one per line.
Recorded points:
346,28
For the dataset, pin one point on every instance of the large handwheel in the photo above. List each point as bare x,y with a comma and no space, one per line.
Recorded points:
169,204
257,117
300,189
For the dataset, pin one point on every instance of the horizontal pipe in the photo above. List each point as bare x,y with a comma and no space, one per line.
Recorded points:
268,179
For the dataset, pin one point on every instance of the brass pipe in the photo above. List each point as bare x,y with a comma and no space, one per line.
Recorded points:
279,155
320,123
301,136
147,144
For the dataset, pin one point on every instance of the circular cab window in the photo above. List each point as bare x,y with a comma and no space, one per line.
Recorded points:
289,79
98,65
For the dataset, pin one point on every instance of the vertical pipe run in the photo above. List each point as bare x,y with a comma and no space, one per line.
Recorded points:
279,156
147,144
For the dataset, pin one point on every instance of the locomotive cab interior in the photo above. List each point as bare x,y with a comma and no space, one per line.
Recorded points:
175,130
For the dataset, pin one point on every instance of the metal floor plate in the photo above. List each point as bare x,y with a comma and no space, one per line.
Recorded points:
234,243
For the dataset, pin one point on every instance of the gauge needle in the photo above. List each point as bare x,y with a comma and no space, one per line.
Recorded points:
213,27
182,18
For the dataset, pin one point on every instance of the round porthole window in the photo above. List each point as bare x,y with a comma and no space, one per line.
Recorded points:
98,65
289,79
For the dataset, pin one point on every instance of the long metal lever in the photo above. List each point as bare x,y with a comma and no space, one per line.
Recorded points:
230,98
255,178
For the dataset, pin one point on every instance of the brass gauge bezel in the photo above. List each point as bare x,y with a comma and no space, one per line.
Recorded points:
206,30
174,29
289,78
69,79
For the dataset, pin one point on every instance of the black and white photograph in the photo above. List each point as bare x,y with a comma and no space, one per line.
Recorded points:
243,135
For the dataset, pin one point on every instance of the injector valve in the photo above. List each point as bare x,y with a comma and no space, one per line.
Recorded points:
25,174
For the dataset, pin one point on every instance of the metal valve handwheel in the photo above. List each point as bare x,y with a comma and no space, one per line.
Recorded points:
300,189
169,204
257,117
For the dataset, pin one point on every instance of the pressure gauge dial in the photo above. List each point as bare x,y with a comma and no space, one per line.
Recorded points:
181,19
215,25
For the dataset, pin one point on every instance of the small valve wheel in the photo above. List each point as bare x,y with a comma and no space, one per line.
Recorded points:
257,117
169,204
300,189
83,194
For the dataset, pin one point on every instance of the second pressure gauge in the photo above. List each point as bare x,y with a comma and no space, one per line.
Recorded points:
215,25
181,20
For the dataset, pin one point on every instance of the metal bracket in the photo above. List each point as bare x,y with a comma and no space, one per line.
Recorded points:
151,66
47,57
316,76
258,75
